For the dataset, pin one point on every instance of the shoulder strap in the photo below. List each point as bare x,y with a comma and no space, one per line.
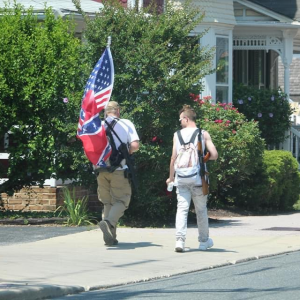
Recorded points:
111,127
200,142
191,140
180,138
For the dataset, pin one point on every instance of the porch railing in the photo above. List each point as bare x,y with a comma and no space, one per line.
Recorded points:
292,143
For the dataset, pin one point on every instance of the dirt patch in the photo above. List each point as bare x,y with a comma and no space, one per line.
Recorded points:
228,213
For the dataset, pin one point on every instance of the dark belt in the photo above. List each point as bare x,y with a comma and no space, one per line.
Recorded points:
106,169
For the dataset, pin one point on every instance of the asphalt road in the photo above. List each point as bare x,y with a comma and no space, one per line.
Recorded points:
273,278
25,234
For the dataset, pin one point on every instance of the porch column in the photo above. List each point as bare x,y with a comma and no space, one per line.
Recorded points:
288,38
287,79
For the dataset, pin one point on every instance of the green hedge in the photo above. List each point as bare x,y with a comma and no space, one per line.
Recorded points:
275,187
283,180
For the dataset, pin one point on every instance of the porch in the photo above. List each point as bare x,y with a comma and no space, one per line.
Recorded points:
292,143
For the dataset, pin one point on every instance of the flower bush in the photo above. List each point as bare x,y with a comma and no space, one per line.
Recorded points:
239,144
270,108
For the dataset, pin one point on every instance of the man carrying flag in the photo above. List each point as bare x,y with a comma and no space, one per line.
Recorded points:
114,189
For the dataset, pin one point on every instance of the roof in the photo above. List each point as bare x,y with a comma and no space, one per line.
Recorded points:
288,8
65,6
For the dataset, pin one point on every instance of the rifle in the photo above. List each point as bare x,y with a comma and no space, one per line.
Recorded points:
123,149
202,160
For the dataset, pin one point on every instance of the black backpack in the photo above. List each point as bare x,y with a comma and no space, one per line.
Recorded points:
116,156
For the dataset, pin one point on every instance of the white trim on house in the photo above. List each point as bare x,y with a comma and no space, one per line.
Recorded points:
276,34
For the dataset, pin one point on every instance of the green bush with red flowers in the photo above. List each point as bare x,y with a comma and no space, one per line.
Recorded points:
245,174
239,144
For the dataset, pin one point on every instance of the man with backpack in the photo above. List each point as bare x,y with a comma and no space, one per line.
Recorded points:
114,189
187,176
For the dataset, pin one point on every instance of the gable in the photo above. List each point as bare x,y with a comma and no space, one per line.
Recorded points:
288,8
246,11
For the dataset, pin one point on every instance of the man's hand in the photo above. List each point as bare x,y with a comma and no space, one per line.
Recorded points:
169,180
206,157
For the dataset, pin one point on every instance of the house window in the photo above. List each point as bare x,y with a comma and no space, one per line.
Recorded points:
222,63
159,4
256,68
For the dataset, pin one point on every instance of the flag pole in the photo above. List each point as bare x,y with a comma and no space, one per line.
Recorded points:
108,41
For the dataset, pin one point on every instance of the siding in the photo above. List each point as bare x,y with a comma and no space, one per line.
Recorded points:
294,78
217,11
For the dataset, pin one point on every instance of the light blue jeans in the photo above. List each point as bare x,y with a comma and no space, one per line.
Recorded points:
184,196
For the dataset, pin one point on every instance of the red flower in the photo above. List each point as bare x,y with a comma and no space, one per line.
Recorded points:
207,98
218,121
234,131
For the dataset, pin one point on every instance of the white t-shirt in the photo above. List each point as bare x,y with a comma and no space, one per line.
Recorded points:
125,130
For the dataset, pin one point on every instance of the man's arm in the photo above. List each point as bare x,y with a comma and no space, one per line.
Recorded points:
134,146
173,158
210,147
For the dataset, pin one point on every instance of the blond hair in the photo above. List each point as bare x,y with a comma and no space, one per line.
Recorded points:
188,112
112,107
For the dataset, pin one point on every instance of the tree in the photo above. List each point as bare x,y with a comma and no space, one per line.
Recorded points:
158,63
41,83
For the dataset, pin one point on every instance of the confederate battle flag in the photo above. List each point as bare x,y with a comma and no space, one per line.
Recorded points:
97,93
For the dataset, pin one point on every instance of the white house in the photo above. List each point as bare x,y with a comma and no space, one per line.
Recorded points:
254,44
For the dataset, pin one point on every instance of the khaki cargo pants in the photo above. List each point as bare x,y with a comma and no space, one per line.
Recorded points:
114,191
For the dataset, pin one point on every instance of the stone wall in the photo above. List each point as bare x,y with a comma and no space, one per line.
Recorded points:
45,199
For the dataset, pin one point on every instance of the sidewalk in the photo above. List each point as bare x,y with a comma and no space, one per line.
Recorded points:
80,262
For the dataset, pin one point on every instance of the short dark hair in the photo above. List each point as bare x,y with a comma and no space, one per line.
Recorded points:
188,112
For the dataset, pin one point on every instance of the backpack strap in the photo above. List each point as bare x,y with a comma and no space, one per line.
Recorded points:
196,132
180,138
111,126
192,140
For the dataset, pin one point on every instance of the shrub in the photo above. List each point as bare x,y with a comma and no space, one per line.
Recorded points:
276,185
41,86
270,108
239,146
245,174
75,209
282,187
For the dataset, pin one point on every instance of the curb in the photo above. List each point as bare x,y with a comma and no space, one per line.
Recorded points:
18,292
32,221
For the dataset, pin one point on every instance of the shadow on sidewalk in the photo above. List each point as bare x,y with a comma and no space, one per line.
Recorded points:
215,223
212,250
130,246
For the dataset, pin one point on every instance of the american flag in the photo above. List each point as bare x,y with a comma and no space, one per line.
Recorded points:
96,95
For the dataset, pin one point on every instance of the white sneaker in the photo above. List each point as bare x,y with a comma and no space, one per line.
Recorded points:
179,247
205,245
